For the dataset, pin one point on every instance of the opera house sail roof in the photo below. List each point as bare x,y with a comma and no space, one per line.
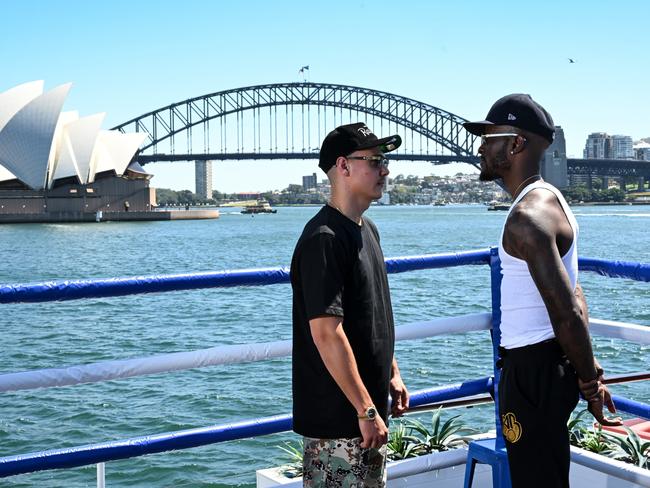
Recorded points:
40,144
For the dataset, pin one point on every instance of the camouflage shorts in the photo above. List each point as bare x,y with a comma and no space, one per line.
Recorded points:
342,463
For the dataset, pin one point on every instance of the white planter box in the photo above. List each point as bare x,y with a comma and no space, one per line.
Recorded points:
447,470
595,471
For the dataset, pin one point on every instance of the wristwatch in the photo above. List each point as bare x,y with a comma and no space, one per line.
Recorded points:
369,414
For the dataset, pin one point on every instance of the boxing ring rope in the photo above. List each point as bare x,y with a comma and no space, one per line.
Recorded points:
243,353
99,453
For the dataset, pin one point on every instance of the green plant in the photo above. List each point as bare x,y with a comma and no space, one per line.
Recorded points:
441,436
293,467
595,441
401,445
631,449
588,439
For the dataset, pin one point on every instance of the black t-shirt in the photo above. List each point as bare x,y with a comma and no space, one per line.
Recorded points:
338,270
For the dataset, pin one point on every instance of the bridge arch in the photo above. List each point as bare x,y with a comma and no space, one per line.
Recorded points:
434,124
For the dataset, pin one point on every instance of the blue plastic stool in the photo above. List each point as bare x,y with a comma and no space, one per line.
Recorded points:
484,451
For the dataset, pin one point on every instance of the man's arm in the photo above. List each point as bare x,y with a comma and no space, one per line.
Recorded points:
398,392
532,233
337,354
582,302
594,389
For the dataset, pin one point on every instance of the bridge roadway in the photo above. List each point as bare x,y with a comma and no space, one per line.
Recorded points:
575,166
608,167
431,158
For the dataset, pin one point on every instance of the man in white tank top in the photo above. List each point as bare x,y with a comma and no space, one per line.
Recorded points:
545,344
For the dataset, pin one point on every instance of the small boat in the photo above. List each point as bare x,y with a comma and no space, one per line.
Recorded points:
261,206
494,205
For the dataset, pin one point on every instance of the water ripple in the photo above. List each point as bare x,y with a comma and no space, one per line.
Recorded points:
57,334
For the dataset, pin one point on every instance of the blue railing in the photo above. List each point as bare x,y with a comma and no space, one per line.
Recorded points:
108,451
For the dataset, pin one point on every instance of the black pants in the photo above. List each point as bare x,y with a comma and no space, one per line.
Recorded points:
537,393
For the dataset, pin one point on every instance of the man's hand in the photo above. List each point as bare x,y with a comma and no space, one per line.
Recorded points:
597,395
374,432
399,395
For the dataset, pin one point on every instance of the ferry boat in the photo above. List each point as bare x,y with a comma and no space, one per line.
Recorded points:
261,206
494,205
446,469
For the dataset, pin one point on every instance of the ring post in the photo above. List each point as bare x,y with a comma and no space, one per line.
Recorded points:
492,451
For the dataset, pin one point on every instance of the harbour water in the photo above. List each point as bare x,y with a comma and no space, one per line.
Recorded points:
77,332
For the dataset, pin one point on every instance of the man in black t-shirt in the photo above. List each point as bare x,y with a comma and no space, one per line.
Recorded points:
343,333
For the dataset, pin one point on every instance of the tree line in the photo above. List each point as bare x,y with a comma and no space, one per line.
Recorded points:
293,194
404,193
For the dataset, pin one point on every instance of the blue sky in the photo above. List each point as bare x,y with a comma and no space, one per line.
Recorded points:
128,58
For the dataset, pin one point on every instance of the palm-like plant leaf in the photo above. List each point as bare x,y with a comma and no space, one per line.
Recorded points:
441,437
631,448
295,457
401,445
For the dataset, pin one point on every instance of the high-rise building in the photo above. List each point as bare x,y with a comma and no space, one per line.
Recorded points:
622,147
642,150
309,181
598,146
203,178
554,166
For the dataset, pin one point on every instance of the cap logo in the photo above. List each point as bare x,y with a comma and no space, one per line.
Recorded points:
365,131
511,117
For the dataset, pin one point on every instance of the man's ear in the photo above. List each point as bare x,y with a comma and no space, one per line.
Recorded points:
342,163
518,145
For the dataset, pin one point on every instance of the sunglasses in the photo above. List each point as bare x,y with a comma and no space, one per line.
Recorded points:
374,162
485,137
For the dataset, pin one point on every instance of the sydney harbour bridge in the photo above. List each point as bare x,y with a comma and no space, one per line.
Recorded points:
289,121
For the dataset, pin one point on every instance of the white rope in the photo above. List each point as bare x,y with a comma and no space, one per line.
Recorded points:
238,353
242,353
621,330
445,325
111,370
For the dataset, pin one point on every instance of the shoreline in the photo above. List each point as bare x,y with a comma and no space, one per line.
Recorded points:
95,217
596,204
289,205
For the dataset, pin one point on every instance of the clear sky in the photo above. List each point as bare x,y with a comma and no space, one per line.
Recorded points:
127,58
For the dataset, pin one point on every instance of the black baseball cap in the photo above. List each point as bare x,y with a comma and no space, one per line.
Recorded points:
518,110
346,139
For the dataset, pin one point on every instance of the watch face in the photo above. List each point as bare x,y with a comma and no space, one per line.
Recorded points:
371,413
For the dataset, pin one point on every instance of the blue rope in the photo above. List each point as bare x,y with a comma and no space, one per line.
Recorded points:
183,439
616,269
110,287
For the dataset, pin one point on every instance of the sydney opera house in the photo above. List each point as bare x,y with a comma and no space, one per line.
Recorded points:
57,166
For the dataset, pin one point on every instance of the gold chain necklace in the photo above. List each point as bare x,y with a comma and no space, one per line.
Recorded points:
514,195
331,204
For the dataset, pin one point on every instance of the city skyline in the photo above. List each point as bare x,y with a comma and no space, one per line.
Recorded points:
127,59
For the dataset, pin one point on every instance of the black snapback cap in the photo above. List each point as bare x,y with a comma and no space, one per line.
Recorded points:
518,110
346,139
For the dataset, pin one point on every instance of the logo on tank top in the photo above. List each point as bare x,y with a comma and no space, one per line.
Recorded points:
511,428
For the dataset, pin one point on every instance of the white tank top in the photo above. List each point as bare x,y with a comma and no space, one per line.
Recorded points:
524,318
